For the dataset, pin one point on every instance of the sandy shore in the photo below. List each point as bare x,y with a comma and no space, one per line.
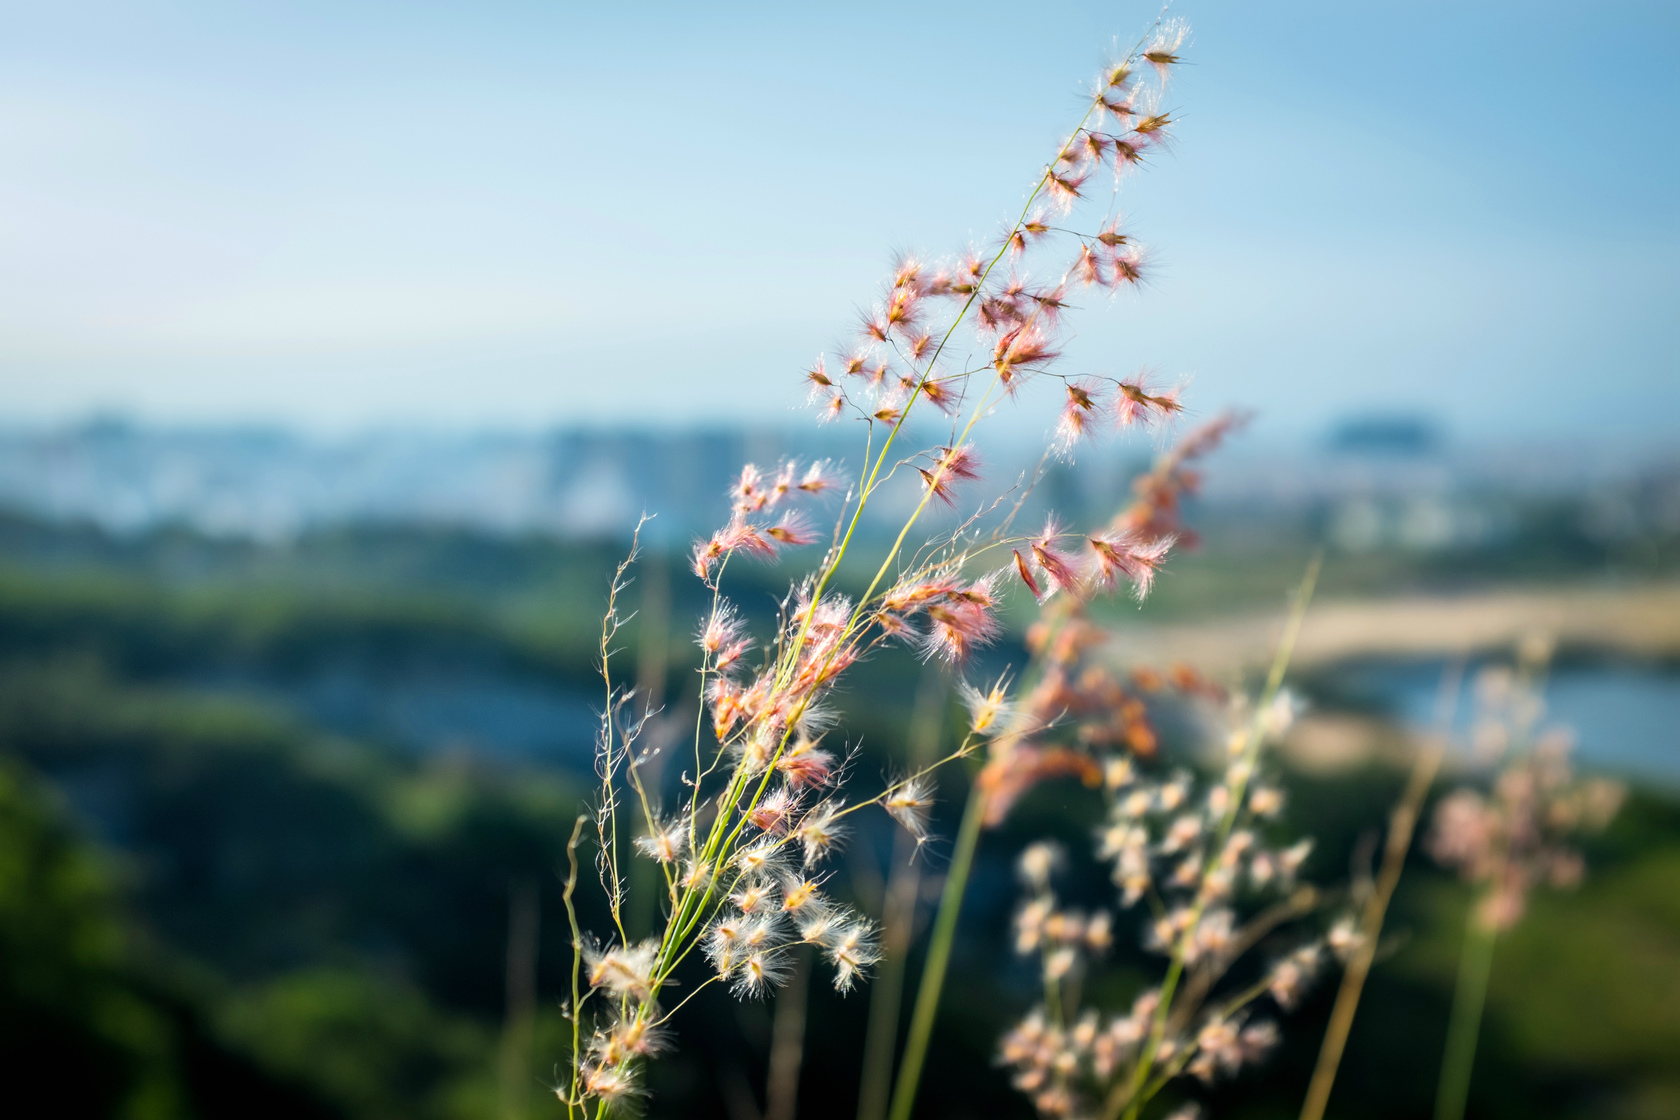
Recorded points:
1641,620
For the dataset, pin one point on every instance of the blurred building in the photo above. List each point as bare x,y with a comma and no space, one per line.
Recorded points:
1373,483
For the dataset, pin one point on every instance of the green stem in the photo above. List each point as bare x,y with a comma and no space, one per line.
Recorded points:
1466,1023
574,1008
1401,822
1131,1093
939,957
898,912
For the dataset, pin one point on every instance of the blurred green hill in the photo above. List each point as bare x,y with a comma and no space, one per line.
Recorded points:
222,895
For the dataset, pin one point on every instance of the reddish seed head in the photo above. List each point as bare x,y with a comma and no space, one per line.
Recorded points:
1120,108
939,392
1070,428
791,531
1088,267
1056,565
1083,394
1152,126
804,766
1083,404
954,464
1025,234
749,493
783,484
907,273
913,596
982,592
1122,555
1064,189
956,628
1127,265
1110,235
706,553
724,628
771,815
993,315
1026,575
1020,350
1139,403
730,655
727,707
750,539
902,308
817,479
1162,51
894,625
938,486
1050,303
960,461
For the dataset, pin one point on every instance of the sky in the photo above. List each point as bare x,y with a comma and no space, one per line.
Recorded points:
345,216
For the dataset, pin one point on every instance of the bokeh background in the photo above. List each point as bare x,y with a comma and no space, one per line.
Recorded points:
342,345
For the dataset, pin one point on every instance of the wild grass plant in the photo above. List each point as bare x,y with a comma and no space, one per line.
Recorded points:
1508,834
768,790
768,795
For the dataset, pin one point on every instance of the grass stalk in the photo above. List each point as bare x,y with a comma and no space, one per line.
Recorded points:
787,1041
574,1008
898,914
1466,1023
1402,823
1132,1094
939,956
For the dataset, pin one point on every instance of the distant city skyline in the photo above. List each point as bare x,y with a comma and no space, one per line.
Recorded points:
271,484
336,218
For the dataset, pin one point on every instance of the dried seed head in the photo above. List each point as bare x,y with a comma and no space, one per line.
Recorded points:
1036,863
665,841
819,831
853,951
909,803
986,710
622,970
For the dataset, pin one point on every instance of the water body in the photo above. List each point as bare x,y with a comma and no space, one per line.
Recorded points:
494,716
1625,715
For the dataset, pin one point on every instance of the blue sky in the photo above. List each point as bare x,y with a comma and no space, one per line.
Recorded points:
338,216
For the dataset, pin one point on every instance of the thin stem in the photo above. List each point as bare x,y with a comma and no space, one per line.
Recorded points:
1130,1094
1466,1023
721,836
898,915
575,1010
787,1042
939,956
1401,823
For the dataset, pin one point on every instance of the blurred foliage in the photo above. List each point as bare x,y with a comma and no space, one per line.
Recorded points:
212,904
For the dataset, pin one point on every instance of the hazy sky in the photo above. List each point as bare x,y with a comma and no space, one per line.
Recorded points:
340,215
